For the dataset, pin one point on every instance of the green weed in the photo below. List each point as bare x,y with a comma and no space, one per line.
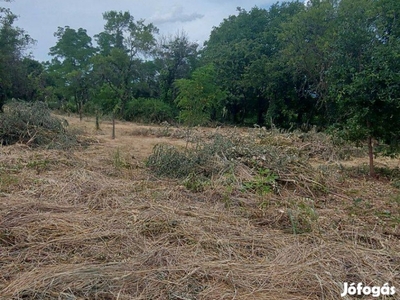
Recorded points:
263,183
195,183
119,161
303,216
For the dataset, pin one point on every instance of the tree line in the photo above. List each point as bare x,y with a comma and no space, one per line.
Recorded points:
334,64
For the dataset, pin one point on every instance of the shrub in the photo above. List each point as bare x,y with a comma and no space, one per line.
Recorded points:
148,110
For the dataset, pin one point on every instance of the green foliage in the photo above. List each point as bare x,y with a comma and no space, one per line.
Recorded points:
123,44
15,79
71,65
148,110
199,98
195,183
364,77
245,51
177,57
73,48
105,99
303,216
263,183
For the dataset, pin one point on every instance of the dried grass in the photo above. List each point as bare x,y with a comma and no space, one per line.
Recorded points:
81,228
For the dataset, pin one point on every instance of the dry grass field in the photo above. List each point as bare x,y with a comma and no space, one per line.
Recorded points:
97,222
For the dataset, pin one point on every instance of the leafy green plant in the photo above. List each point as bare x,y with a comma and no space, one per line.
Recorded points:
263,183
195,183
199,97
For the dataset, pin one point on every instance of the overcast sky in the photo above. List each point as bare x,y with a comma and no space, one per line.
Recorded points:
41,18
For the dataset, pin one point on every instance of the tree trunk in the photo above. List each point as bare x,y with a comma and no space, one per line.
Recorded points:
80,114
2,101
371,157
78,107
97,120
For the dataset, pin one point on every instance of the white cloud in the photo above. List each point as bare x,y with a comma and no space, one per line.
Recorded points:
177,15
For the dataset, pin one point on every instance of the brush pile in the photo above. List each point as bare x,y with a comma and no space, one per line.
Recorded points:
217,155
32,124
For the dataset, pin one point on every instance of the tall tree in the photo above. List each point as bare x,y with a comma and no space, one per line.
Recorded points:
13,43
269,76
231,48
71,65
28,80
308,51
243,49
124,45
366,79
199,98
177,58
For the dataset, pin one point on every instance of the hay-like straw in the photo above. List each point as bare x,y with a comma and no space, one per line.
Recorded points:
76,226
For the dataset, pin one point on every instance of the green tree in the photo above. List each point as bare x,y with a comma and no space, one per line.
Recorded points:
245,50
308,41
13,43
124,44
269,76
366,79
71,65
177,58
199,98
28,80
231,48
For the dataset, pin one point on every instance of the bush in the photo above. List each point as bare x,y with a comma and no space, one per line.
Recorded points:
32,124
148,110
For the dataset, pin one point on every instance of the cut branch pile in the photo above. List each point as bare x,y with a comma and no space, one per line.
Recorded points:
33,125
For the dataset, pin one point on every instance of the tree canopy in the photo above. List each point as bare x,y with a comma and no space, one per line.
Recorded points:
14,42
333,64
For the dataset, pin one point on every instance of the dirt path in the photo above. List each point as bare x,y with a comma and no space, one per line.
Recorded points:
137,140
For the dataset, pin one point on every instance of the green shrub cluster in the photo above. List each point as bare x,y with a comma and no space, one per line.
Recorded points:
148,110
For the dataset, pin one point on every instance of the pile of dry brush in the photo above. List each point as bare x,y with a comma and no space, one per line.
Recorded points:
32,124
246,156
